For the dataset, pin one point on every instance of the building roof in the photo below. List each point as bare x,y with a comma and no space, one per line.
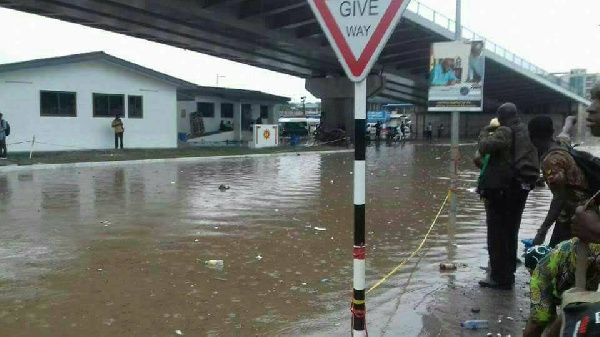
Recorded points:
186,90
95,56
228,93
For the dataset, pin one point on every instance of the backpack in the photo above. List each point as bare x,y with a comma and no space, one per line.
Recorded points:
590,166
6,128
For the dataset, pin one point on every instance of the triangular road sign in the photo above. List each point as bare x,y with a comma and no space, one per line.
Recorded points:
358,30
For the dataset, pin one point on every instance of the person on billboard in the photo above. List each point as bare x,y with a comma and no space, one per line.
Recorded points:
476,63
442,74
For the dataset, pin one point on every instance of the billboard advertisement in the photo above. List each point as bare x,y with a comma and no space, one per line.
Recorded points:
456,76
378,116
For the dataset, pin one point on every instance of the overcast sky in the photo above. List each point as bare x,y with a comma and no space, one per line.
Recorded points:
556,35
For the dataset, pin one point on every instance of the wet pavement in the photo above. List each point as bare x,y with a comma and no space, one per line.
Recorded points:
121,251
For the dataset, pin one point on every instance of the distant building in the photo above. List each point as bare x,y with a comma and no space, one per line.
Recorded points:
581,82
296,109
68,103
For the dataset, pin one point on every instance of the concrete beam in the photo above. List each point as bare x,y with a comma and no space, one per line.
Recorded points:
250,8
287,20
220,3
342,87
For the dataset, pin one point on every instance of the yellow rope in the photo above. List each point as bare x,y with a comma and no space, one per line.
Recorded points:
416,250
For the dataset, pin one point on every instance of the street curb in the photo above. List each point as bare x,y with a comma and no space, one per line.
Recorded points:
35,167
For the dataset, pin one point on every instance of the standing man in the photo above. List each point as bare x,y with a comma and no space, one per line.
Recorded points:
117,124
440,131
378,131
566,180
4,130
505,192
429,131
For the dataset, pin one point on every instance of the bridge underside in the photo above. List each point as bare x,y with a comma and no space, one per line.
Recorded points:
284,36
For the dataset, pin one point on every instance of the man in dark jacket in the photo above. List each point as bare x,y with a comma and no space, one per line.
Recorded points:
512,171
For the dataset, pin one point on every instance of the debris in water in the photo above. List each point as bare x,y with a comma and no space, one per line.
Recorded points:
325,280
320,229
224,187
447,266
396,188
172,183
179,332
475,310
259,257
99,269
510,318
303,283
196,240
214,264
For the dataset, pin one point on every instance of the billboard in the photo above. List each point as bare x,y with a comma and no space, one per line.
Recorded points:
456,76
378,116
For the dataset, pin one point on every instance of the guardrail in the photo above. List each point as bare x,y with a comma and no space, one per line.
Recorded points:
443,21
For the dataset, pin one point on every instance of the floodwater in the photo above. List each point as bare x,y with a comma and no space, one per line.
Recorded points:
121,251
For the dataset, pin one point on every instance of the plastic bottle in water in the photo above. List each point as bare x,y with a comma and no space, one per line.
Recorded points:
215,264
474,324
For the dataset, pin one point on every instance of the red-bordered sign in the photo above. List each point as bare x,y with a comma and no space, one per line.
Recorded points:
358,30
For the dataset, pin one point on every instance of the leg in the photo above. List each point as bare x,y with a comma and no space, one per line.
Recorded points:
121,137
561,232
499,239
3,150
517,206
116,140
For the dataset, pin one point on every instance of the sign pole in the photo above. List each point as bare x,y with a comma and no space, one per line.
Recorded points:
357,35
454,134
455,154
358,297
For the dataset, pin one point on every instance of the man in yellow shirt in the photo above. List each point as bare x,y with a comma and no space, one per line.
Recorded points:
117,124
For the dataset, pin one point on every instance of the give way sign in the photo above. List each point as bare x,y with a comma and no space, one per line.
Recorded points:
358,30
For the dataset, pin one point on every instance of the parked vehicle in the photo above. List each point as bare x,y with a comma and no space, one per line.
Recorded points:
293,126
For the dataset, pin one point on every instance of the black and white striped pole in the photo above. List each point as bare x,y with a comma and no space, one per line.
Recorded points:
358,297
357,35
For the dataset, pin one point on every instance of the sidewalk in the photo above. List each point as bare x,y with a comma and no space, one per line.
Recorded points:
98,157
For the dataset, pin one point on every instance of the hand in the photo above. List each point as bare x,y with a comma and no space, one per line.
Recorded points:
571,120
540,237
569,123
586,225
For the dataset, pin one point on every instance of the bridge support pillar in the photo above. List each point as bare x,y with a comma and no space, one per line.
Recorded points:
337,99
237,121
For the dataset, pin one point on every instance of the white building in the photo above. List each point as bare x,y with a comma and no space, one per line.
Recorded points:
69,102
235,107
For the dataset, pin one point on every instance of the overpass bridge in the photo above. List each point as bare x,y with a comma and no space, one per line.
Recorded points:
284,36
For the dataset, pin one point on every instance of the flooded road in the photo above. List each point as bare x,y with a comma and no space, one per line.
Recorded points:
121,251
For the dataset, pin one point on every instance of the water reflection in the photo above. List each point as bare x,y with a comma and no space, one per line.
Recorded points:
167,219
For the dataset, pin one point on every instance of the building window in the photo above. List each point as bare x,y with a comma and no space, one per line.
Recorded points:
226,110
58,104
106,105
264,112
134,108
206,109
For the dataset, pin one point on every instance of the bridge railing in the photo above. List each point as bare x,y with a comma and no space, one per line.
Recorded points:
443,21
